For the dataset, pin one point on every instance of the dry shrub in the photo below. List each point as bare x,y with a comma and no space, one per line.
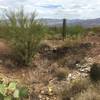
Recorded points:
61,73
72,41
71,90
92,93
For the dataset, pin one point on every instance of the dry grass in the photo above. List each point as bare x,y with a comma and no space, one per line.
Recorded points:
92,93
72,41
71,90
61,73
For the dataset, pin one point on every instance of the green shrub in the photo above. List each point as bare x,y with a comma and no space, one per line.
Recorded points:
68,31
11,91
95,72
53,32
76,30
94,30
24,32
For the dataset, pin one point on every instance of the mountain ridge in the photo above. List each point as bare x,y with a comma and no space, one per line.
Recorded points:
82,22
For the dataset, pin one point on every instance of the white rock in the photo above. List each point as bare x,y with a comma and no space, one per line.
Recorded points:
40,96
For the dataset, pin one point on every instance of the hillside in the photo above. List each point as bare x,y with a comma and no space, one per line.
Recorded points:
57,69
84,23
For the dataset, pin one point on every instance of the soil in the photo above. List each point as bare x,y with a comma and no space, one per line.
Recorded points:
46,62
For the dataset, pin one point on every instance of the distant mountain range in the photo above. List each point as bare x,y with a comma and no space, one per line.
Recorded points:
84,23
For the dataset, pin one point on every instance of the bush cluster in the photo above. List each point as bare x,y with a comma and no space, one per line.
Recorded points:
95,72
24,33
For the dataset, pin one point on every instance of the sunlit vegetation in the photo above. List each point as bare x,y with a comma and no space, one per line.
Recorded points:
69,31
54,60
24,33
12,91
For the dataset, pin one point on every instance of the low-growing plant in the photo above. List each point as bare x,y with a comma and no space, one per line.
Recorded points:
94,30
24,33
12,91
71,90
61,73
75,31
91,93
95,72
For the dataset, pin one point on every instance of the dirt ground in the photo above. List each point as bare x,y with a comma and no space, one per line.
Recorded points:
41,73
26,73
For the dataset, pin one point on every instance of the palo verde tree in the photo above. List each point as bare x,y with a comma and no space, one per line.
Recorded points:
24,33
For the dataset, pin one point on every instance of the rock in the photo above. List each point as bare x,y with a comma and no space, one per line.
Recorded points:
89,60
81,70
85,70
40,96
84,75
47,98
69,77
78,65
42,92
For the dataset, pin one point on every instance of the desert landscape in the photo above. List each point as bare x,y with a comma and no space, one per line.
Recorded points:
48,59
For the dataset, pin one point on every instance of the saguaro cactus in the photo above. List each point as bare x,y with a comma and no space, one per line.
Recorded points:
64,29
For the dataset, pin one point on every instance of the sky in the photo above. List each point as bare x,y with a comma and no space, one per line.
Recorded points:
70,9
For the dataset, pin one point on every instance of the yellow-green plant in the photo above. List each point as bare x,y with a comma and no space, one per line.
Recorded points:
12,91
75,31
24,32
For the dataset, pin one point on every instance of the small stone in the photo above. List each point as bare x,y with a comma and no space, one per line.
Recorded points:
70,75
42,92
84,75
23,74
78,65
40,96
47,98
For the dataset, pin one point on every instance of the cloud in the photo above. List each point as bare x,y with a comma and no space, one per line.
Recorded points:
50,6
3,7
71,9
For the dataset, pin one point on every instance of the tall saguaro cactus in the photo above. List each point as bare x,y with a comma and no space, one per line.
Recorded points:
64,29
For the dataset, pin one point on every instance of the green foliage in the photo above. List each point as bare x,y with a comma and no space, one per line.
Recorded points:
12,86
75,30
95,72
23,92
2,89
16,93
52,32
12,91
94,29
68,31
24,32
